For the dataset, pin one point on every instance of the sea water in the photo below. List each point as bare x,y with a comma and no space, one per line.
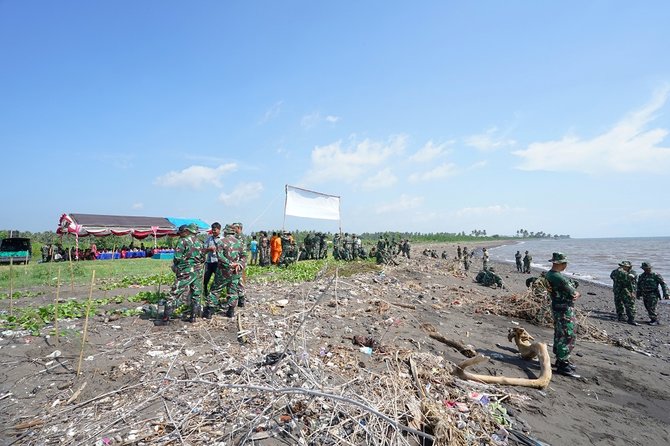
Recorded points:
593,259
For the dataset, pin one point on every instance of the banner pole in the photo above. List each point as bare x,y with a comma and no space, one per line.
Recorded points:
283,225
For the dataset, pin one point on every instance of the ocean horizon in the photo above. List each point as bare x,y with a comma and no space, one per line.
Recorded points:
592,259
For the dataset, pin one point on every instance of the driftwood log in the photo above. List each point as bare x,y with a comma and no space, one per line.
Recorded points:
466,350
526,350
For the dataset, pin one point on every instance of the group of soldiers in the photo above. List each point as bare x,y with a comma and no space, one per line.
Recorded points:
523,262
348,247
628,286
385,251
190,256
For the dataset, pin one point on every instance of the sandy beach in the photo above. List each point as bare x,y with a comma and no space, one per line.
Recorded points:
621,399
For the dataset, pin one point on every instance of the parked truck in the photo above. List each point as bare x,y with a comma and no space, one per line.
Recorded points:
15,250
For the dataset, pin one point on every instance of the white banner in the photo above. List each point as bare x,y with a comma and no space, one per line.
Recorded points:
309,204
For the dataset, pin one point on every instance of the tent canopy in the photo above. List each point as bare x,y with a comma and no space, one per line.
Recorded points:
84,225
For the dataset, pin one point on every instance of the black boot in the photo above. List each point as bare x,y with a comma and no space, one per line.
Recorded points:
621,318
167,314
207,312
240,302
631,321
566,369
230,312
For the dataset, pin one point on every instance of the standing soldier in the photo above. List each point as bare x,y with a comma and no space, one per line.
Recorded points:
346,247
232,260
517,259
624,279
406,248
264,249
211,260
526,262
647,289
466,259
485,259
458,252
187,265
563,295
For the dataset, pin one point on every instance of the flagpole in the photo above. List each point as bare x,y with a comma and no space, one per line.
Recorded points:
283,225
339,213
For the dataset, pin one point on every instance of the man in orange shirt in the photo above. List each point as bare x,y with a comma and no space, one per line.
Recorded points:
275,248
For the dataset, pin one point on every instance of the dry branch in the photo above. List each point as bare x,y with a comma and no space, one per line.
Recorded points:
466,350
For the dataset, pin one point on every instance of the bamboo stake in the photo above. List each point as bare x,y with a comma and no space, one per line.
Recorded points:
83,338
71,273
337,304
11,287
56,305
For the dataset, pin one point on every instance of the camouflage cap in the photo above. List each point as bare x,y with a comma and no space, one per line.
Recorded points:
237,224
193,228
558,257
626,264
645,265
228,229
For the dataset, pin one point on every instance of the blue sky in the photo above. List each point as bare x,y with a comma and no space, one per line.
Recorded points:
423,116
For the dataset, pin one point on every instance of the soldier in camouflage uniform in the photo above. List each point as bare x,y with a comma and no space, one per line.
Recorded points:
346,247
563,295
336,246
264,243
624,282
466,259
289,254
232,261
323,246
527,259
647,289
188,265
488,277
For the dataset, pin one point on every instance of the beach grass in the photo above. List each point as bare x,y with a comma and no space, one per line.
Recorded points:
111,274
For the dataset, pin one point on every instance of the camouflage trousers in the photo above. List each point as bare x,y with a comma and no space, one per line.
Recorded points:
224,280
623,301
650,302
564,332
187,288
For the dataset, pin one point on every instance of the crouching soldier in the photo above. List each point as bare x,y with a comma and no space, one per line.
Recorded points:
488,277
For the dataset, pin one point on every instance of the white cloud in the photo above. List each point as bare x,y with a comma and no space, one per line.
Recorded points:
626,147
442,171
487,211
243,192
381,180
403,203
138,206
313,119
489,140
478,165
196,176
429,152
272,112
335,162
